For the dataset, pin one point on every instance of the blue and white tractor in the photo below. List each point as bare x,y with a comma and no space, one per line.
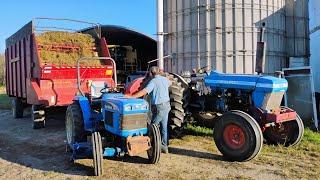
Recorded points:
243,110
104,124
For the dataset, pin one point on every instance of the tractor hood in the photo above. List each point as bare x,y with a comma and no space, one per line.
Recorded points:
266,84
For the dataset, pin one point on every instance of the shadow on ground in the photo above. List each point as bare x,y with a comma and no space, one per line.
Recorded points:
192,153
45,149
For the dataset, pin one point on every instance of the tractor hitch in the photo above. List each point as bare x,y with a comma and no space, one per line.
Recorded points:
280,115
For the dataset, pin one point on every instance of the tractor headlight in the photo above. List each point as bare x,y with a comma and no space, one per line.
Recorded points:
145,107
136,107
127,107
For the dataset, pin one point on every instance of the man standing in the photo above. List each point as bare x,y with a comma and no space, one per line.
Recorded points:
158,88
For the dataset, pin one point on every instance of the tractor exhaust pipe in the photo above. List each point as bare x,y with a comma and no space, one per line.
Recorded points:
261,51
160,34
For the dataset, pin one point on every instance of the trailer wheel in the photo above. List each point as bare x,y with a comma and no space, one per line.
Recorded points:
97,153
288,133
17,107
238,136
38,117
155,139
74,125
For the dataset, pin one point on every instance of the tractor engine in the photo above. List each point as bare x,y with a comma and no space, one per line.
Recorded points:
242,92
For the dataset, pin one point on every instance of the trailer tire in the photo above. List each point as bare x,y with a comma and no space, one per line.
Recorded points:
74,125
155,140
38,117
97,153
238,136
17,107
289,133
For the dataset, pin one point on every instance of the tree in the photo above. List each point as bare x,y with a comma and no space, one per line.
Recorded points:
2,69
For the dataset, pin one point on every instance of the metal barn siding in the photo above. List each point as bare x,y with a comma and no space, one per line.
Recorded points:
223,34
297,27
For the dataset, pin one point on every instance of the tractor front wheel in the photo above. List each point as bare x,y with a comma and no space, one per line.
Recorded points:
238,136
155,139
288,133
97,153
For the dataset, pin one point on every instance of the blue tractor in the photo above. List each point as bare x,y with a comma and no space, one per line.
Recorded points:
243,110
104,124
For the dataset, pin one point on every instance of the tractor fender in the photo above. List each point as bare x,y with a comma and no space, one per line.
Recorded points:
184,83
134,86
86,111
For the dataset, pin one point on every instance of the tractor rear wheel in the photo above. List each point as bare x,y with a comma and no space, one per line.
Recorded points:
38,117
74,125
97,153
179,99
17,107
288,133
238,136
155,139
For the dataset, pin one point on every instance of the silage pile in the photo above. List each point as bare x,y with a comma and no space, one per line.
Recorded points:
67,57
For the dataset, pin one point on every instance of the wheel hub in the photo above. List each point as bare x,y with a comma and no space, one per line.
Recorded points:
233,136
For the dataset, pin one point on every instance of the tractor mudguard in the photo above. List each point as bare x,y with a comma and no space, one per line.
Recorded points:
86,112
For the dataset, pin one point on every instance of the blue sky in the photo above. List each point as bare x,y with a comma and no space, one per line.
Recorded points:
136,14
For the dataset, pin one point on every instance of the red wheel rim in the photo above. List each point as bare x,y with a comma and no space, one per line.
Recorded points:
233,136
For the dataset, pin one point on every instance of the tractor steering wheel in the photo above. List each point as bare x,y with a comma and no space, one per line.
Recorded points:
201,72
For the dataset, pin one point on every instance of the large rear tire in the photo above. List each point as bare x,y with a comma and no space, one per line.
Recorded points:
179,99
17,107
238,136
155,139
289,133
38,117
97,153
74,125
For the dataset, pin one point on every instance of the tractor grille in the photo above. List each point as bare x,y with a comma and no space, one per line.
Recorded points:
109,118
134,121
272,100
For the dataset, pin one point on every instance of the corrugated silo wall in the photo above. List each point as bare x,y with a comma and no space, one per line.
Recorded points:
222,34
297,27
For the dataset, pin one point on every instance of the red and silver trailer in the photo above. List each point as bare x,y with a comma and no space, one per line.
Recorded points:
31,82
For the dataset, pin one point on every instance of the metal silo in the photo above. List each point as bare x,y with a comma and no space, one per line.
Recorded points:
223,34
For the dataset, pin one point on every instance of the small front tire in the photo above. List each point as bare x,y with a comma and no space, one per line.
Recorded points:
97,153
238,136
155,139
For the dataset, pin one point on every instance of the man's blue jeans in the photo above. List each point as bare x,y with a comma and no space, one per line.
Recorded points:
160,114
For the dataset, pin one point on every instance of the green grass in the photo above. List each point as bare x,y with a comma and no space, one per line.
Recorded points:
300,161
198,131
311,137
4,99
